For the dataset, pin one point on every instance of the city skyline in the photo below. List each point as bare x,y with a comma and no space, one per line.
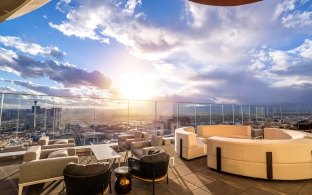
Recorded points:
161,50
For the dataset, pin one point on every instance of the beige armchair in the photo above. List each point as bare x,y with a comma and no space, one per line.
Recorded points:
187,145
140,148
124,141
46,143
40,166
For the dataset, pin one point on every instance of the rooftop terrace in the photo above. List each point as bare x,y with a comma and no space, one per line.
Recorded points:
186,177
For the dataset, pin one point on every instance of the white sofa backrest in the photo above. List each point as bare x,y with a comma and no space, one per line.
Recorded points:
206,131
251,150
276,133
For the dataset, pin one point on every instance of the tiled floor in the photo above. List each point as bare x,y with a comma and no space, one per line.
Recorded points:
186,177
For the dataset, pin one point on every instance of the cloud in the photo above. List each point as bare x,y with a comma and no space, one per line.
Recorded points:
292,15
6,89
66,74
31,48
241,88
209,54
44,89
101,20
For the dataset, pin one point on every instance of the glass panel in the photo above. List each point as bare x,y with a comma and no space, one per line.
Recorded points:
186,115
142,115
216,114
9,120
203,114
228,114
111,119
238,110
166,117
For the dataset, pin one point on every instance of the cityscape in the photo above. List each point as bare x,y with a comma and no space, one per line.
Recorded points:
102,124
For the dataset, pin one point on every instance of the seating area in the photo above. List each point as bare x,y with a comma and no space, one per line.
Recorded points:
220,154
186,177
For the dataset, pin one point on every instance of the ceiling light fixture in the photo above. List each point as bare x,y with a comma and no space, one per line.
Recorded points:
10,9
225,2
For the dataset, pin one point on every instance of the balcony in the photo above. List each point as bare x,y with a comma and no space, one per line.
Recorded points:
99,121
186,177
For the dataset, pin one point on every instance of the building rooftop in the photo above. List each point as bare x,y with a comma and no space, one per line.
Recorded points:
186,177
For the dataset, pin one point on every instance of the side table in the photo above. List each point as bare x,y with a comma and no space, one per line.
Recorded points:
123,180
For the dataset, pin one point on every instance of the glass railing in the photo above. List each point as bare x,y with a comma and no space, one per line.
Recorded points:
25,117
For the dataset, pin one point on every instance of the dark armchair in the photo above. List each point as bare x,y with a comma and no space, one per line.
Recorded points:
150,168
87,179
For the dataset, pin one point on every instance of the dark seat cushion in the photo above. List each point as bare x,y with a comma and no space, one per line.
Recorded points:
85,170
156,156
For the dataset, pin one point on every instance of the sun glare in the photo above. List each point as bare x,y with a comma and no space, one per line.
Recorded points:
137,88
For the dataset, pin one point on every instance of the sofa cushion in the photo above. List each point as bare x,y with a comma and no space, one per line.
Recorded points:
61,141
58,153
156,156
85,170
156,140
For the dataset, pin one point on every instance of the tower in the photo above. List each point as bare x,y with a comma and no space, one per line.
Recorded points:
35,114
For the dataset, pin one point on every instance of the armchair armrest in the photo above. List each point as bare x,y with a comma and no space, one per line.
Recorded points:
140,144
132,163
147,149
129,141
52,146
44,168
124,137
70,141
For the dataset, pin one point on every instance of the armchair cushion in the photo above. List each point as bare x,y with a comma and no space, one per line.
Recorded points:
61,141
58,153
85,170
156,140
158,156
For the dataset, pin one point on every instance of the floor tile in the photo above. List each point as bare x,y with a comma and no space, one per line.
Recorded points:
219,187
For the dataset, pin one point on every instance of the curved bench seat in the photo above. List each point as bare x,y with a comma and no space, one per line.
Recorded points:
290,151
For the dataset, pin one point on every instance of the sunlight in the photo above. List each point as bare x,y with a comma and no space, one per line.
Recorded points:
136,87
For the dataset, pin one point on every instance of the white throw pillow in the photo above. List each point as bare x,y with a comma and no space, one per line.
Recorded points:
58,153
61,141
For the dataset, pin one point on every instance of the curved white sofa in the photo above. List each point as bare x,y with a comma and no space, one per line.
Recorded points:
235,131
282,155
191,147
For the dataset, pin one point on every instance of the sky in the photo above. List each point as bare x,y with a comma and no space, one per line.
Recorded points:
165,50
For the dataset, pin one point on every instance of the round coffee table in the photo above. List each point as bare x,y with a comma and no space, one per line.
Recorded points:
123,180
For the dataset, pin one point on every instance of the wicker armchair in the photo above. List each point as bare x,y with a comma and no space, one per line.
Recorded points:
87,179
150,168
